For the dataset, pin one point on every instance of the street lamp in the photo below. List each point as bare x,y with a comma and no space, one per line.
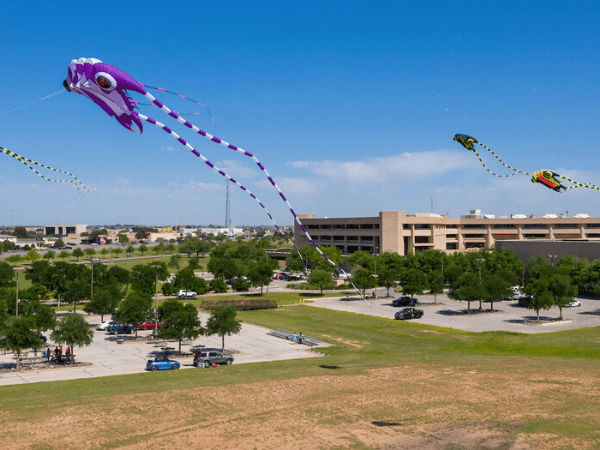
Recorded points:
92,262
552,259
17,270
480,261
156,267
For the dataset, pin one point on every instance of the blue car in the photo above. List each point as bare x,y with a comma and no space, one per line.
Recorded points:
162,364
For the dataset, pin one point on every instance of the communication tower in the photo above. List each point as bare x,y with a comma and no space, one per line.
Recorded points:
228,213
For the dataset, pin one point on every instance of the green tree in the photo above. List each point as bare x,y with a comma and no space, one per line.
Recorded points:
143,249
135,309
179,321
20,232
49,255
73,330
363,280
123,239
90,252
14,259
260,275
33,255
239,284
105,301
7,275
104,252
117,251
495,288
469,289
414,281
321,279
143,277
364,259
59,243
217,285
78,253
222,321
63,255
19,333
541,297
156,249
563,290
129,250
387,278
174,262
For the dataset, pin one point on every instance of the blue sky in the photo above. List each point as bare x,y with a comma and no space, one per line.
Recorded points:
350,105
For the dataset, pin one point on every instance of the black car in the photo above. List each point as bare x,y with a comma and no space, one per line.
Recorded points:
409,313
120,328
405,301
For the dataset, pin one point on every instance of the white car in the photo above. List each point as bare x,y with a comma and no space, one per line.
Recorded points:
186,294
573,304
104,325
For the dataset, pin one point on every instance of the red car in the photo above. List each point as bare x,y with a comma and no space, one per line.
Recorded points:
148,325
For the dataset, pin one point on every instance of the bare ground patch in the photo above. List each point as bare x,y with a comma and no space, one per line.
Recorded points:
417,406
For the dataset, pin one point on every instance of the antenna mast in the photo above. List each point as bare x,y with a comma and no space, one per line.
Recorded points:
228,213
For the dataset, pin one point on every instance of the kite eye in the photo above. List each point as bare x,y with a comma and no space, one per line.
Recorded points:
105,81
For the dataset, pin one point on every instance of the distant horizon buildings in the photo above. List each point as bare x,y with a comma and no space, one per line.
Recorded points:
394,231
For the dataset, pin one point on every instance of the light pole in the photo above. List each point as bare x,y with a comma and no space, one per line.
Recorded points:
552,259
92,262
17,270
480,261
156,267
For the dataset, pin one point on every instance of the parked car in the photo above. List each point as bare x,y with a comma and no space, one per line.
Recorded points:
120,328
148,325
574,304
405,301
42,337
162,364
522,300
209,357
186,294
104,325
409,313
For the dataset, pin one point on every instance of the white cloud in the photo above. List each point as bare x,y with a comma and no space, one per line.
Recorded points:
294,186
169,148
380,170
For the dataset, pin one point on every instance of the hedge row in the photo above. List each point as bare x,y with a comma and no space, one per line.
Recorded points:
240,304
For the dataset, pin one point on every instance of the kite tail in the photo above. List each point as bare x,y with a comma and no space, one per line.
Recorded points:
486,167
223,174
185,98
220,172
501,162
22,159
577,184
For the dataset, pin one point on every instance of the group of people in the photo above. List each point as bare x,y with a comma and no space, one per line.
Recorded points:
58,354
297,337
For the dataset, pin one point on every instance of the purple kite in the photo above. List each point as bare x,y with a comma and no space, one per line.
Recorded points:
107,86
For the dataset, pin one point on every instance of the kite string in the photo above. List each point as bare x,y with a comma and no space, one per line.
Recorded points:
181,96
60,91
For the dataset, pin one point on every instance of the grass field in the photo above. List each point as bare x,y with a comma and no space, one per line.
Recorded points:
385,384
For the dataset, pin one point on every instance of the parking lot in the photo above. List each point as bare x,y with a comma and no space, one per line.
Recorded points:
447,313
106,356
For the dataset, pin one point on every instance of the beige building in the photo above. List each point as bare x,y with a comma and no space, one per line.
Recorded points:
394,232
